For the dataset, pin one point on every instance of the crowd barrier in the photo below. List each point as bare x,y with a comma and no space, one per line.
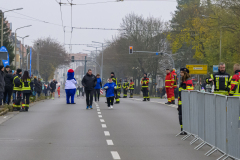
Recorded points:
214,120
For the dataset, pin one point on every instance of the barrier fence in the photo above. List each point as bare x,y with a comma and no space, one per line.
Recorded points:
214,120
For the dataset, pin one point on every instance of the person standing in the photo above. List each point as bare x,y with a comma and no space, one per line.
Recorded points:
174,85
17,88
2,84
125,88
235,82
114,79
39,87
110,87
131,88
169,81
186,84
97,88
8,86
221,80
144,83
53,88
27,87
58,90
89,81
119,85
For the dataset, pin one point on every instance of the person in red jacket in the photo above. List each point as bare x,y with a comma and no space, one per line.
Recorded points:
235,82
169,80
174,84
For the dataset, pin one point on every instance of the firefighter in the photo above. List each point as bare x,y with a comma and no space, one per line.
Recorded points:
235,82
169,81
221,80
174,84
186,84
114,79
125,88
26,90
17,88
131,88
144,83
119,85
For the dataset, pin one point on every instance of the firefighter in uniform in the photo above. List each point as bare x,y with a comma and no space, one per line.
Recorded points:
144,83
169,81
114,79
17,88
186,84
26,90
221,80
119,85
125,88
131,88
174,84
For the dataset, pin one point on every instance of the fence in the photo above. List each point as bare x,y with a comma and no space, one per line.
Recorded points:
214,120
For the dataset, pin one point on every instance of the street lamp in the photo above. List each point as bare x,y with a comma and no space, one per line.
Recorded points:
16,42
2,23
21,64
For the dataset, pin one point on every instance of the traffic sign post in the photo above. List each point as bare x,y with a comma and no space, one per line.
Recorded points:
197,68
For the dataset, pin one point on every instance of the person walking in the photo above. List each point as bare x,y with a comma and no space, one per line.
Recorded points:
27,87
70,87
89,81
110,87
97,88
131,88
2,84
53,88
8,86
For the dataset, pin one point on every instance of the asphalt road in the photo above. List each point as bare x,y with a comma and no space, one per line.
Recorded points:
132,130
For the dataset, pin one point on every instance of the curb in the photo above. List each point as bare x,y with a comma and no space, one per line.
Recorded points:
4,112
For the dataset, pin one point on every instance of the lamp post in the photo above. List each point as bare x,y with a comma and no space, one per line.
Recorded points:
2,23
21,64
16,42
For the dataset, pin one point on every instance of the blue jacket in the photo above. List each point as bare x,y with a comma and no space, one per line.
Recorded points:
99,84
110,90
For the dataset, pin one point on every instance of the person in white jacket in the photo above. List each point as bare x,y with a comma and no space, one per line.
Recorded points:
70,86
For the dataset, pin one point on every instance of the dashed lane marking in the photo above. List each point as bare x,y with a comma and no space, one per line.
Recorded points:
100,116
99,112
109,142
102,120
104,126
115,155
106,133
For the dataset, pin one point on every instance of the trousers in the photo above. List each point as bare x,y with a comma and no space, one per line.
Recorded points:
89,97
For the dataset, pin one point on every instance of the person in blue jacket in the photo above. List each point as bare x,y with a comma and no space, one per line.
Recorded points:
97,88
110,87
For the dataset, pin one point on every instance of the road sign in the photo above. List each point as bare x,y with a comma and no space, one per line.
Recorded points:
215,68
101,91
197,68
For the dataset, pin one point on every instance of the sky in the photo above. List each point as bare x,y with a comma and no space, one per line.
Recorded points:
103,14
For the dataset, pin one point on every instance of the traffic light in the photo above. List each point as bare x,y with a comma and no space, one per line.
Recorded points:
130,49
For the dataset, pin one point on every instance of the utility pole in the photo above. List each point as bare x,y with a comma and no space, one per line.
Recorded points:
38,59
85,66
2,29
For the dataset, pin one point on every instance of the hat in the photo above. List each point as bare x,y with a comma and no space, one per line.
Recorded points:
7,66
112,72
19,70
1,66
184,70
70,71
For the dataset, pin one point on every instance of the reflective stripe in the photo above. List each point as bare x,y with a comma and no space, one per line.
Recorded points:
181,126
179,102
217,82
226,82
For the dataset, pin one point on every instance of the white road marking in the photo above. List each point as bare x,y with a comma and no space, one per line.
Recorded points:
100,116
115,155
99,112
97,107
109,142
104,126
5,117
106,133
102,120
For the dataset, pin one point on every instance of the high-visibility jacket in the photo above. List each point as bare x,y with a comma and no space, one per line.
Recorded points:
26,84
169,81
131,85
145,82
235,83
17,79
222,82
119,85
187,85
125,85
114,79
175,79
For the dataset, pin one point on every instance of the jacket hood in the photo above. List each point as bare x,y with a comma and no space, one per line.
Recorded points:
70,75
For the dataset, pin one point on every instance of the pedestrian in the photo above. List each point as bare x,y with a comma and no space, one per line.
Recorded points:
89,81
131,88
110,87
221,79
125,88
197,87
8,86
175,79
144,83
78,91
39,87
17,89
119,88
53,88
114,79
27,87
97,88
235,82
35,85
45,90
7,69
58,90
14,94
70,87
169,84
2,84
186,84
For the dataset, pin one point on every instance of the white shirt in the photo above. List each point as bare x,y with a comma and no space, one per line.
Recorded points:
70,84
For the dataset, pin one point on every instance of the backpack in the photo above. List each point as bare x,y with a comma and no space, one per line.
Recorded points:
17,81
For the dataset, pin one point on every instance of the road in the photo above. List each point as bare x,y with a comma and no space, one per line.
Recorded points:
133,130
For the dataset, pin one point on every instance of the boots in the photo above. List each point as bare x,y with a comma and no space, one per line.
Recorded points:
168,103
144,99
173,102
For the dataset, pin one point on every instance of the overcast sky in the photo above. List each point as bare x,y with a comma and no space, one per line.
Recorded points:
101,15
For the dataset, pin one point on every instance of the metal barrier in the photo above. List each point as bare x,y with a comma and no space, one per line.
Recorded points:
214,120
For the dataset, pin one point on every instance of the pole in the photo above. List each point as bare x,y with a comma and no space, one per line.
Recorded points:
2,31
27,61
38,59
85,67
220,44
23,54
15,49
102,63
